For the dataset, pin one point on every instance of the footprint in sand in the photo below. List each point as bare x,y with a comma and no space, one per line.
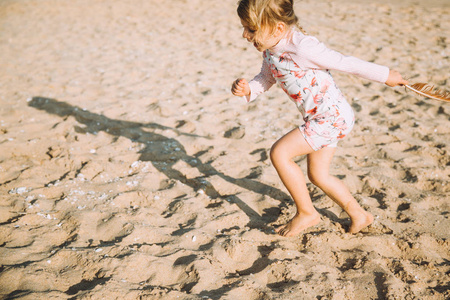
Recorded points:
97,228
235,133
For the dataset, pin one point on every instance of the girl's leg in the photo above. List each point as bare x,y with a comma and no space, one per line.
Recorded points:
283,151
318,173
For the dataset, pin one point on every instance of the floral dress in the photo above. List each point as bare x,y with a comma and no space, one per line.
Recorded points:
327,115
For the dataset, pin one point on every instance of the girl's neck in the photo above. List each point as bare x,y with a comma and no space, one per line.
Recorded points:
281,41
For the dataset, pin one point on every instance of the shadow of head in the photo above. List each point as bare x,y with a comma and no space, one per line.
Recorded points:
95,122
53,106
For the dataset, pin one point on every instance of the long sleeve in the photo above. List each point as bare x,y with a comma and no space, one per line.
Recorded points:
310,53
261,82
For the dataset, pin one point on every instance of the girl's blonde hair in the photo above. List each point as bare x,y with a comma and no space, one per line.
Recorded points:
262,15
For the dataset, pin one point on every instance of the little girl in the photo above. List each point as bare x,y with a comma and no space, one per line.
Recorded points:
299,64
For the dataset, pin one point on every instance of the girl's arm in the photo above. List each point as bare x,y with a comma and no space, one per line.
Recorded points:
313,54
258,85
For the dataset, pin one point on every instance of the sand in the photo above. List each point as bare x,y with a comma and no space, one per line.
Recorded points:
129,171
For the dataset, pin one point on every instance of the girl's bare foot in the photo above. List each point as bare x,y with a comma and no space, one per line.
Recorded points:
360,222
298,223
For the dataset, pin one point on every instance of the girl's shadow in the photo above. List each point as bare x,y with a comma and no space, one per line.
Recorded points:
164,153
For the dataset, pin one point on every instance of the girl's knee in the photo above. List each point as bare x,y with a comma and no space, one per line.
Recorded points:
277,153
274,152
317,177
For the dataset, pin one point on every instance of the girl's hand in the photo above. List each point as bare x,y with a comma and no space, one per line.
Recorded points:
395,79
240,87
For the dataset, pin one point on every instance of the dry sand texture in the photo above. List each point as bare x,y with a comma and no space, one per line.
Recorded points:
128,171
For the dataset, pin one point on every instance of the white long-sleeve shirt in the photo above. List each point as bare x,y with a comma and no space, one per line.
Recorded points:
309,53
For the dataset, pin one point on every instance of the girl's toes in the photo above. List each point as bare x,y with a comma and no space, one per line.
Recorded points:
284,231
279,229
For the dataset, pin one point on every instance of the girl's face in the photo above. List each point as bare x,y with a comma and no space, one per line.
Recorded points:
267,41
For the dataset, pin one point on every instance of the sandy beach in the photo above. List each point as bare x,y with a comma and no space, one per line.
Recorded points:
129,171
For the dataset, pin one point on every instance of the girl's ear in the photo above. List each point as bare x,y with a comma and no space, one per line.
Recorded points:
281,29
